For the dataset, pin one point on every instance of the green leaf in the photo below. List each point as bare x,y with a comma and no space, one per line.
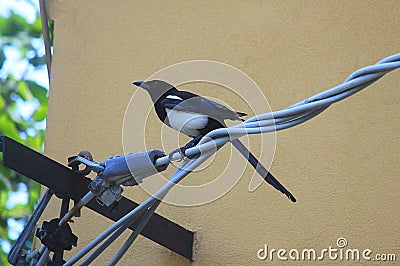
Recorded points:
2,57
38,60
2,103
24,91
51,29
40,113
4,195
8,128
3,259
19,211
13,25
35,29
38,92
35,142
34,194
15,117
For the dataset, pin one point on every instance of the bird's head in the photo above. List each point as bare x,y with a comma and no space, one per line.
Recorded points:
156,88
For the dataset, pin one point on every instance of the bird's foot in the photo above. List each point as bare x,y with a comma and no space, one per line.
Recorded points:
182,151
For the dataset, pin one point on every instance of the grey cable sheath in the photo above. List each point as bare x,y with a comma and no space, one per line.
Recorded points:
146,217
109,240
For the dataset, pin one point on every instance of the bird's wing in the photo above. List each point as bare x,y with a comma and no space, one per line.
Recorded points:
201,105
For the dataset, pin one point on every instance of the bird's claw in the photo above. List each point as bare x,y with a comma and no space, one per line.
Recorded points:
181,152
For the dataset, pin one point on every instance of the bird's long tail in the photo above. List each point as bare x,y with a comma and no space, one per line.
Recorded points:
261,169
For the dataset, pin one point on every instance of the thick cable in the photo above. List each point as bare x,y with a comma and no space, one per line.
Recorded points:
297,113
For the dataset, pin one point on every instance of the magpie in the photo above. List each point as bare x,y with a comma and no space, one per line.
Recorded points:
195,116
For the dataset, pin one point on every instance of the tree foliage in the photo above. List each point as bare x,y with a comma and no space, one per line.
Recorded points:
23,109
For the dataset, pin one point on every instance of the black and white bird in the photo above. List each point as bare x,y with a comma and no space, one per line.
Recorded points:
195,116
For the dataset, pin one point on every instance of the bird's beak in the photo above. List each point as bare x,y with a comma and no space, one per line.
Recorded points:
141,84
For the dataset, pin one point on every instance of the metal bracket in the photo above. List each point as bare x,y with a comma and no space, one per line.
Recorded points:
68,184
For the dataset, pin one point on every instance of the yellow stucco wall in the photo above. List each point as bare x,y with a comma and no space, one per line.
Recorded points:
342,166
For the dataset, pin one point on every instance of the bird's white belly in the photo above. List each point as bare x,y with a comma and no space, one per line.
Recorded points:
187,123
